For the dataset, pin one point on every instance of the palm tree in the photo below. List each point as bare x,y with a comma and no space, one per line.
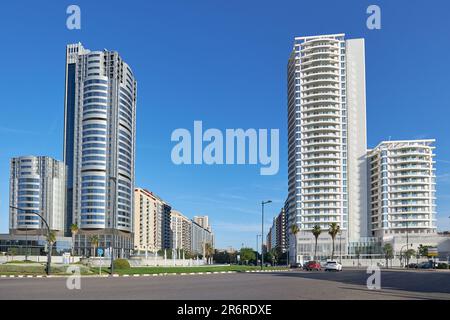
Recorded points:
333,231
388,253
294,231
74,229
316,231
94,242
209,251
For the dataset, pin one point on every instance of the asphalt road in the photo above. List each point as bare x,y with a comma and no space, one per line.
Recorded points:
348,284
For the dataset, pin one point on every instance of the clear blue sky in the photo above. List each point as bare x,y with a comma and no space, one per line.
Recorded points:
222,62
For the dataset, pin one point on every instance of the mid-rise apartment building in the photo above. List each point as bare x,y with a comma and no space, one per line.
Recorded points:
402,188
152,217
181,231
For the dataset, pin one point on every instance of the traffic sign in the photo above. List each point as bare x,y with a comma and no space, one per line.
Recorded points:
100,252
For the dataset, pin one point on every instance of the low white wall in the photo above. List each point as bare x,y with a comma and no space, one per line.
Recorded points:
150,262
55,259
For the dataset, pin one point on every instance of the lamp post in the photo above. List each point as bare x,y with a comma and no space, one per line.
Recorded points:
111,178
26,242
262,231
49,251
401,249
257,246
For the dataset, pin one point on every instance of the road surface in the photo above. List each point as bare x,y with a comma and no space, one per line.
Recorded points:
348,284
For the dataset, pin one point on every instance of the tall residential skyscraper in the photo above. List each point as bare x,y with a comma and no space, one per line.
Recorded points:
99,147
37,185
326,138
402,189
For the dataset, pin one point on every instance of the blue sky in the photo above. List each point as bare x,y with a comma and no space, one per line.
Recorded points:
222,62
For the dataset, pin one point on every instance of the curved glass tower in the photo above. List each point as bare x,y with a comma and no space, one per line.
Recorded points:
99,148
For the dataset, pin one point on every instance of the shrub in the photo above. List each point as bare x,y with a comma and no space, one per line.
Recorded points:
121,264
442,266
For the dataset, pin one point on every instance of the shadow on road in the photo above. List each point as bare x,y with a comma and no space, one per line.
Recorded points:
419,281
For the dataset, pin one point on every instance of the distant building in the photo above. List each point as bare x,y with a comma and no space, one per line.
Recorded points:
199,238
276,238
203,221
181,231
37,185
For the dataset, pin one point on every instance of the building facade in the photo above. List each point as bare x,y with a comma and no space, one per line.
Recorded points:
181,231
276,238
99,147
326,139
37,185
200,236
152,222
402,188
145,218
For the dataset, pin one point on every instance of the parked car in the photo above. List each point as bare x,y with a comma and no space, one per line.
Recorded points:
413,266
313,265
296,266
425,265
333,266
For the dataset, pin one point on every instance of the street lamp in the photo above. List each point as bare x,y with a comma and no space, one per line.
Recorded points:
49,251
111,253
401,249
262,230
257,236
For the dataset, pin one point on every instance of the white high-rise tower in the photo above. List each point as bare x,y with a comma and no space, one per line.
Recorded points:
327,167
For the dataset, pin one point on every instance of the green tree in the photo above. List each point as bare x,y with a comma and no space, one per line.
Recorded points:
209,251
333,231
247,254
12,251
316,231
388,253
408,254
422,251
94,243
74,229
294,231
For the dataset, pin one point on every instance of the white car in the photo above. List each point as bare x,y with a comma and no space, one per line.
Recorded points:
333,266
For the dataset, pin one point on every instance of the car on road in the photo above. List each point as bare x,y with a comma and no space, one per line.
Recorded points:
333,266
413,266
296,266
313,265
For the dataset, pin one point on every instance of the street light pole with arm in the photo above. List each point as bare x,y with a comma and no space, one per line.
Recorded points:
262,231
113,219
49,251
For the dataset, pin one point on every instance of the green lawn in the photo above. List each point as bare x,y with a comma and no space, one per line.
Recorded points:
152,270
37,269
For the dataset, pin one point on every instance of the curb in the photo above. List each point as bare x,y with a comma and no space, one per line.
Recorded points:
115,275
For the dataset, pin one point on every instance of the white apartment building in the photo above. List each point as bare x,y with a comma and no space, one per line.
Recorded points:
402,189
326,140
37,185
181,231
